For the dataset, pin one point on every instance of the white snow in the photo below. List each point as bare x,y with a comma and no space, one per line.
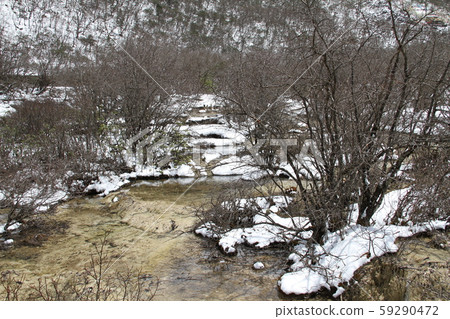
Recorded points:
388,207
262,203
205,100
220,130
243,166
266,231
222,148
9,242
235,165
268,227
55,198
14,226
107,184
5,108
110,182
306,167
208,230
215,142
347,250
255,174
11,227
195,119
343,252
43,198
310,280
183,170
210,157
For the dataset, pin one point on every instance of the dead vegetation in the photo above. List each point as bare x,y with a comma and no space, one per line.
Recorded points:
101,279
419,271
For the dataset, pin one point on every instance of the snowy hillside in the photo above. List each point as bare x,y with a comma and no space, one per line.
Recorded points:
221,23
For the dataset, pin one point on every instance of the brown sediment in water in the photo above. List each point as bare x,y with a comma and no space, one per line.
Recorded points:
150,227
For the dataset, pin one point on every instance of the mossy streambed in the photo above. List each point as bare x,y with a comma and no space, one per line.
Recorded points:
150,224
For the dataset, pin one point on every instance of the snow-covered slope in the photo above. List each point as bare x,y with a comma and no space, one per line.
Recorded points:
214,24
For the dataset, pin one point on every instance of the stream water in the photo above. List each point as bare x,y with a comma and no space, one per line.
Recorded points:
150,227
150,224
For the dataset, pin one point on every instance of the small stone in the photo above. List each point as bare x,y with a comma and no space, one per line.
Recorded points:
258,265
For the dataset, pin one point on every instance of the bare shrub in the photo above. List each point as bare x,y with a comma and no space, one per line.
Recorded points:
12,283
233,207
367,108
42,152
429,196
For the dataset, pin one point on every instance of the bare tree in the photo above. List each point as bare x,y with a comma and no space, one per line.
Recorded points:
370,94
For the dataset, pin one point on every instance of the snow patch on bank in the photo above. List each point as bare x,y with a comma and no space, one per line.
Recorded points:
267,230
107,184
11,227
5,108
110,182
235,165
205,100
344,251
268,227
343,254
218,130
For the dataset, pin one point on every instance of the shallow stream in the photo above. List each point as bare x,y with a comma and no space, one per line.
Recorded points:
150,225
